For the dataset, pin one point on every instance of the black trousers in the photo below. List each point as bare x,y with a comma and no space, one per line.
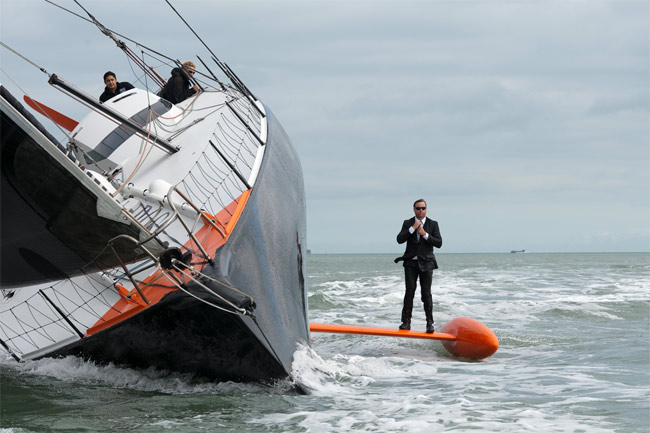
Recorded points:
411,274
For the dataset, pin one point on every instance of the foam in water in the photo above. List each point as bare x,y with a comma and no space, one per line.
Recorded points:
76,370
573,357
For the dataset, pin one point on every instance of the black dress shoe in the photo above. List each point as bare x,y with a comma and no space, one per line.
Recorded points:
429,327
406,326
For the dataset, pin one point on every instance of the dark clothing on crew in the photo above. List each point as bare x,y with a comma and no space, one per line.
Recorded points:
121,88
419,247
419,263
411,274
178,88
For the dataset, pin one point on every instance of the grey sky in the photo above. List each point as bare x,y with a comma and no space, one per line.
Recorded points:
524,124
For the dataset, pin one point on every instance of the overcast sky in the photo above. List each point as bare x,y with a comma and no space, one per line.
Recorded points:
524,124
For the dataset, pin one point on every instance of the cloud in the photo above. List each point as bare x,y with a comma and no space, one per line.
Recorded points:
524,123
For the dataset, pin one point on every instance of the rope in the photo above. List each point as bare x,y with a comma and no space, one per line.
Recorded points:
141,160
220,283
182,287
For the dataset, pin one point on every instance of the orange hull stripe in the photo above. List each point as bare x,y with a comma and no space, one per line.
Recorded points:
157,285
243,199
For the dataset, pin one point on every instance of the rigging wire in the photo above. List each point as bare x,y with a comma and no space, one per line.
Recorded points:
129,53
143,156
77,99
111,33
110,30
190,27
149,70
224,67
120,44
25,58
18,86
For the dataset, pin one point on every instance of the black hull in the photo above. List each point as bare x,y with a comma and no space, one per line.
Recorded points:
263,258
182,334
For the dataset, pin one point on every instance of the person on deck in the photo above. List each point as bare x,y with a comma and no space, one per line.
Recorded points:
179,87
421,234
113,88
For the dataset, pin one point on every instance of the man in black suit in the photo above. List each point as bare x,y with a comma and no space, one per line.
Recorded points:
421,234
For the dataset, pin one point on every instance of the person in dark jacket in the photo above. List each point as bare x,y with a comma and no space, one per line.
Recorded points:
179,87
421,234
113,87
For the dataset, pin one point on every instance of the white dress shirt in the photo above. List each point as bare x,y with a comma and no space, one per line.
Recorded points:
412,230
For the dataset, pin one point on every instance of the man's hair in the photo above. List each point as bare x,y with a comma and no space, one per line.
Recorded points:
109,73
189,64
418,201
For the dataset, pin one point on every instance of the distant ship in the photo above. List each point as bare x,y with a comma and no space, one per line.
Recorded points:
161,235
517,251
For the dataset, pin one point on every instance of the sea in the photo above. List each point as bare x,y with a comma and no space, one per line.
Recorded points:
574,356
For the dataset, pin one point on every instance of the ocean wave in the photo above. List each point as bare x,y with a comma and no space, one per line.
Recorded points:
75,370
321,301
401,393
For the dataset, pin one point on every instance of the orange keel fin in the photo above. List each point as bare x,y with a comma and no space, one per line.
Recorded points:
474,339
462,337
368,330
56,117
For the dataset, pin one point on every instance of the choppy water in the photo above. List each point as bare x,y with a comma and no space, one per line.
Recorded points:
574,356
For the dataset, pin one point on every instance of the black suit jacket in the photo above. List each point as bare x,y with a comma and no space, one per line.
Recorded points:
423,248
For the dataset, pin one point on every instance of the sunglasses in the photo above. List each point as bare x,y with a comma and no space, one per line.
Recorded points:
421,208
